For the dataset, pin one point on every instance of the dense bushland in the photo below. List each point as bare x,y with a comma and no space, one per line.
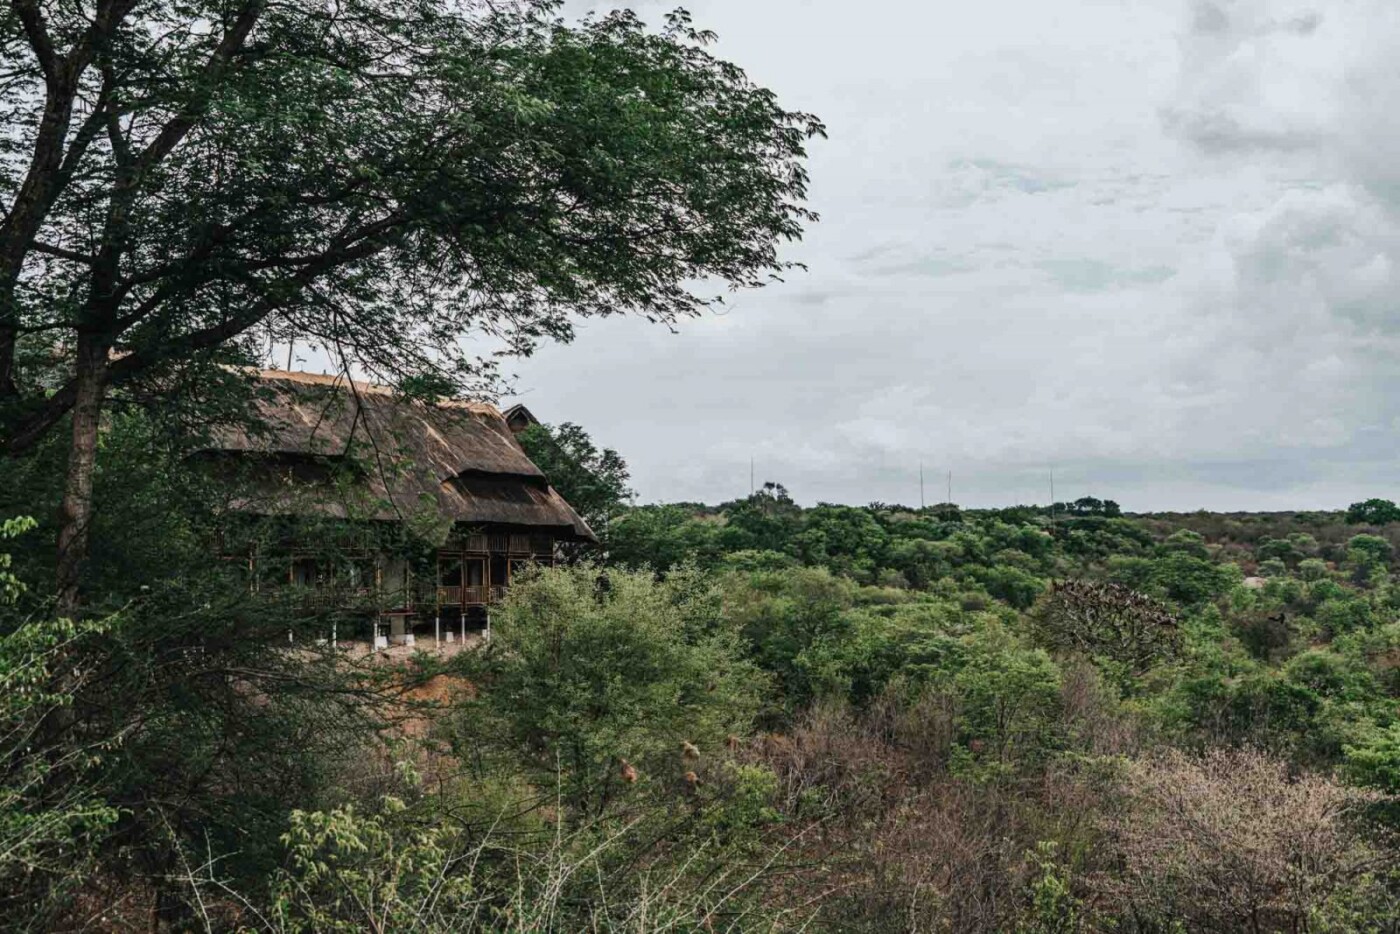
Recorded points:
755,716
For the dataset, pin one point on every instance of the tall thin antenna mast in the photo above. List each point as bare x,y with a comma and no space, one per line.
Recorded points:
752,488
922,504
950,487
1052,500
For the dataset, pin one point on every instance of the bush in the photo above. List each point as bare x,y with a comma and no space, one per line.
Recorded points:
588,669
1232,841
418,869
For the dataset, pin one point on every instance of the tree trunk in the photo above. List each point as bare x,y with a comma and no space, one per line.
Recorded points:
76,512
7,359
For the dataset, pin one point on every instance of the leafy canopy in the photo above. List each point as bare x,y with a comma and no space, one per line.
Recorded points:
381,178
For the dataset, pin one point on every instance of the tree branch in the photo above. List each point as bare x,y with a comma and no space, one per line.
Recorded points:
36,31
176,129
363,243
51,250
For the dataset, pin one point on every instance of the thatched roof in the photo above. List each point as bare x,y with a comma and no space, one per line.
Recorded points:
453,462
518,418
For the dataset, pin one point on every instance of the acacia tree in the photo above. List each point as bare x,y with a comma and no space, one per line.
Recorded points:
1106,620
183,182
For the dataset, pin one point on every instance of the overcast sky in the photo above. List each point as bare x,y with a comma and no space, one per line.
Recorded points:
1149,243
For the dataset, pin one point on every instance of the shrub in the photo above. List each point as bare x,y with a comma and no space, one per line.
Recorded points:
1232,841
418,870
586,669
1013,585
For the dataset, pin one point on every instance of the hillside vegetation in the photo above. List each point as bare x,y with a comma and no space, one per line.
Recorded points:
755,716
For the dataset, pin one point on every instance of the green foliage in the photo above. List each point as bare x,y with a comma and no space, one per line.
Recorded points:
50,815
405,865
766,521
11,586
588,668
664,537
1373,512
1180,575
334,179
845,539
53,815
1185,541
1375,761
593,481
1009,704
1366,552
1313,569
1054,908
1015,586
352,872
796,625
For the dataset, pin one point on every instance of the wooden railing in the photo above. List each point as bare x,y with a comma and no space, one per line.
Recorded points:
480,543
480,595
327,596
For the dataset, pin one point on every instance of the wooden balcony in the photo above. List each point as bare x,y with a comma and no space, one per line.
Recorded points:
481,595
324,596
502,543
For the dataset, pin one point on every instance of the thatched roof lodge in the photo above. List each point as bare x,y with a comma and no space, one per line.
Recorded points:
458,460
328,447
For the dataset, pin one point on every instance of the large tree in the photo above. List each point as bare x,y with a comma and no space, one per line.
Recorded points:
183,183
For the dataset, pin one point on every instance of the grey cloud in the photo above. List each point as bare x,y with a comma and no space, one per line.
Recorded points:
1152,243
1209,18
1218,133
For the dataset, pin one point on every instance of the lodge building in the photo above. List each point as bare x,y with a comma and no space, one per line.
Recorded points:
365,466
